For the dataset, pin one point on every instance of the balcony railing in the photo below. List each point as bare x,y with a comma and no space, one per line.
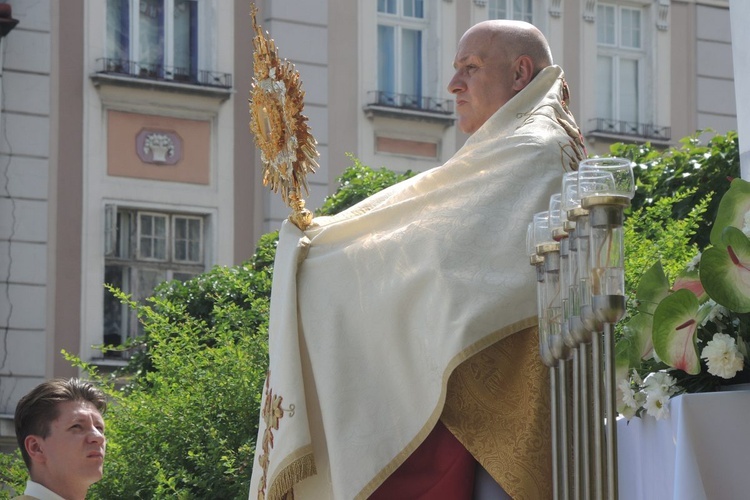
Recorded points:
411,102
634,129
160,72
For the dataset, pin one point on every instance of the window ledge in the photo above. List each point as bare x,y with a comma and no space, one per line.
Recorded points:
625,131
597,134
219,93
108,363
372,110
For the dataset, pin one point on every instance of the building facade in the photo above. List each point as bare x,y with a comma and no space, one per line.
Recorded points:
125,154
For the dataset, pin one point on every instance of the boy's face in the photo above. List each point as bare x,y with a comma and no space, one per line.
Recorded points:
73,451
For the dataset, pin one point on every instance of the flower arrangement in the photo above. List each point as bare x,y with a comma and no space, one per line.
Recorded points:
692,335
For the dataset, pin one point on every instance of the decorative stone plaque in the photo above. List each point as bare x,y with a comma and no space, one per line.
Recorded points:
159,147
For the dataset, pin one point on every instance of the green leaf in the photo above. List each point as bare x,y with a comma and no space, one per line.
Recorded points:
639,332
624,358
652,288
733,207
725,271
674,335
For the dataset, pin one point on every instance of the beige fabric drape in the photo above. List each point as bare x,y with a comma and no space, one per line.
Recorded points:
374,308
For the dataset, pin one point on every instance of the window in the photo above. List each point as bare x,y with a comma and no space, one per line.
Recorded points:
402,25
154,38
142,250
620,68
519,10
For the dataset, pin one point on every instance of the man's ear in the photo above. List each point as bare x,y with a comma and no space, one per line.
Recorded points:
33,446
523,72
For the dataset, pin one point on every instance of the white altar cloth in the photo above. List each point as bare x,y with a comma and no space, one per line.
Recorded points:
698,453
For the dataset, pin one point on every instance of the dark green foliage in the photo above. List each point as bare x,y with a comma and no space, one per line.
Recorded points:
247,286
185,424
186,428
13,474
357,183
677,195
696,169
651,234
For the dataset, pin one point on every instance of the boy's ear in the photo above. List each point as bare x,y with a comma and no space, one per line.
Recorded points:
34,447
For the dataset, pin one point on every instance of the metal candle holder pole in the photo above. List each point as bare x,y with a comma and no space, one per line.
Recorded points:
608,303
570,212
605,186
554,349
571,402
583,337
537,232
593,325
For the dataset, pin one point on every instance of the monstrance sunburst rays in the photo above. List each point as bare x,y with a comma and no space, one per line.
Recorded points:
287,148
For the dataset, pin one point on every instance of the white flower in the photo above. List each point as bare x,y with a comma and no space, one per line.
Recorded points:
722,356
657,405
746,224
640,399
627,412
631,399
658,388
715,313
693,264
659,382
627,394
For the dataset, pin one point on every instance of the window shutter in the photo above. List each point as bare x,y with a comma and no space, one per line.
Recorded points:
110,229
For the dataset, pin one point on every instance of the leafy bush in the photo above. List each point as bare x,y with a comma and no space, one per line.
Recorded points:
699,171
13,474
357,183
247,286
652,234
184,425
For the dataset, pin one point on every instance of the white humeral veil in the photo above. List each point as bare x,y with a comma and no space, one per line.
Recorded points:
372,309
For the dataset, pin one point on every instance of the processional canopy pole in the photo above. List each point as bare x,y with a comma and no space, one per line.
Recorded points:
287,148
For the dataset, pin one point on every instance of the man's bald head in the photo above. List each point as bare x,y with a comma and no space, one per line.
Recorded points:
495,60
515,38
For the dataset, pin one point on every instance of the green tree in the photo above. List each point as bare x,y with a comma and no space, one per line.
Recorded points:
357,183
696,169
184,425
13,474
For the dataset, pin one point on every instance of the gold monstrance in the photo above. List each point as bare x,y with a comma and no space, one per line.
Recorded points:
287,149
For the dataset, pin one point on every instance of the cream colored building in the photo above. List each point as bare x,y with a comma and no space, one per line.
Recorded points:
125,155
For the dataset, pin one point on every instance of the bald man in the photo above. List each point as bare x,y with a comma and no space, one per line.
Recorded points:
417,308
495,61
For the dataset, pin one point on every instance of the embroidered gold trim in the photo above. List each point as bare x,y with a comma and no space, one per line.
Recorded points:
272,413
299,469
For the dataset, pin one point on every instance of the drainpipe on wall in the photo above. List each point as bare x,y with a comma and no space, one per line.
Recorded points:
739,13
7,431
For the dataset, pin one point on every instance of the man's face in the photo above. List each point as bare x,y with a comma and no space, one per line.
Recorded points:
483,81
73,451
